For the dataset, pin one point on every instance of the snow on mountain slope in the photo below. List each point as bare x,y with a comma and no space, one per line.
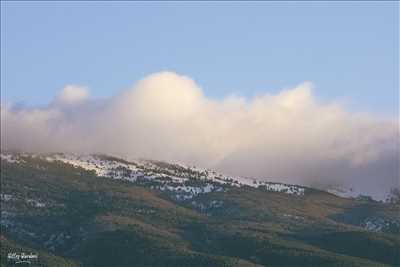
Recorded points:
175,177
186,182
177,181
9,158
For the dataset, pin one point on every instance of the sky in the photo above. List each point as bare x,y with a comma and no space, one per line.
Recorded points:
349,50
293,92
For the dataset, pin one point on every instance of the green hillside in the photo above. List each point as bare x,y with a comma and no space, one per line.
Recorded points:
71,217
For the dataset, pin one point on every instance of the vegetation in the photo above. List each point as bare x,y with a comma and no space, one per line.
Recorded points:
71,217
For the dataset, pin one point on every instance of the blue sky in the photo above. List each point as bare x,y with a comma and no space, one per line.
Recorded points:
348,50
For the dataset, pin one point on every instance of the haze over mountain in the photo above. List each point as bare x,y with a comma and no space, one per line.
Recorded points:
289,137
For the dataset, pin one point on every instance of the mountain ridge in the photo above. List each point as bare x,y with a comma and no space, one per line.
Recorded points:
96,162
155,213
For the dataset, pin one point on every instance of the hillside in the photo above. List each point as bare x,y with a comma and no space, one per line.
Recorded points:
97,210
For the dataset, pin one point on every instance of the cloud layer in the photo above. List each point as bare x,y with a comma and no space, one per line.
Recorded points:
288,137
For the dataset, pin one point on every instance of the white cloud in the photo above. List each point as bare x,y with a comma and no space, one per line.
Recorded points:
72,94
288,137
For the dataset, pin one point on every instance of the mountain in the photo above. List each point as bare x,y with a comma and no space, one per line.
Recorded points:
98,210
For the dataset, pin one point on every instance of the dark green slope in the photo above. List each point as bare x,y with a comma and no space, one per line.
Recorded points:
92,221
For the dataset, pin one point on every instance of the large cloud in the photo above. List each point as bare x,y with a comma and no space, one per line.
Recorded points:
288,137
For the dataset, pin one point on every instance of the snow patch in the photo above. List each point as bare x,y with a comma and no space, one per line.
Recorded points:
35,203
10,158
6,197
